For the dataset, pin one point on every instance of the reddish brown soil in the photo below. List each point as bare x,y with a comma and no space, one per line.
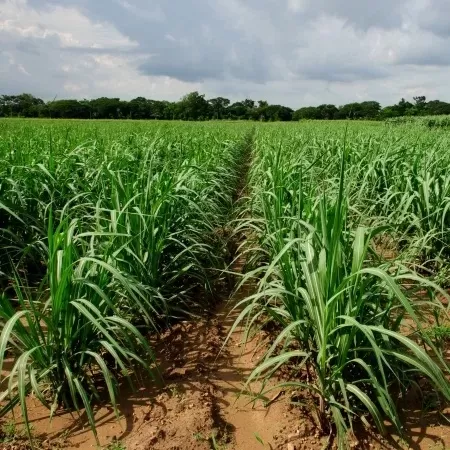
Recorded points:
199,402
199,407
202,399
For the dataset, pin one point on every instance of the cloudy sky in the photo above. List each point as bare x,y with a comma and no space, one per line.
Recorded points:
294,52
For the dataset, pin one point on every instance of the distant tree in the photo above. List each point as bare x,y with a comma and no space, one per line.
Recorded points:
86,104
275,113
170,110
68,109
258,113
107,108
420,100
420,103
327,112
370,109
261,112
218,107
166,110
262,104
24,105
364,110
306,113
388,112
436,107
237,111
348,111
140,108
123,111
193,106
250,104
285,113
404,108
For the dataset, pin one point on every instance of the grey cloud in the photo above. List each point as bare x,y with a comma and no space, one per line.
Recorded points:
436,17
425,49
28,46
245,46
427,57
220,40
360,13
194,61
344,74
31,65
368,13
188,55
245,37
186,70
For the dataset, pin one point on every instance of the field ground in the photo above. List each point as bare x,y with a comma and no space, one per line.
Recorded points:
201,398
311,259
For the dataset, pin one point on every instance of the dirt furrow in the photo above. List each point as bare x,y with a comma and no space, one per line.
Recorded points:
206,407
200,405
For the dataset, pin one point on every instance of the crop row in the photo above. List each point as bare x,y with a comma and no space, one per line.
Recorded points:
110,231
107,233
325,204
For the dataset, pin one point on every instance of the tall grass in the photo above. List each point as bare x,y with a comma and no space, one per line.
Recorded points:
71,333
338,305
111,230
106,236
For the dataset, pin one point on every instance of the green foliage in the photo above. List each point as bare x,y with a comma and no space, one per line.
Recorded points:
116,445
439,333
12,436
70,328
194,106
25,105
111,230
108,233
219,107
338,304
8,432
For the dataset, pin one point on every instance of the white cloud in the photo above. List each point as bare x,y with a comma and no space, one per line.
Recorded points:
69,25
296,5
152,15
60,51
292,52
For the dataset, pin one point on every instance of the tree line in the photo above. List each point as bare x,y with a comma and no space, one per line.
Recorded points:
195,106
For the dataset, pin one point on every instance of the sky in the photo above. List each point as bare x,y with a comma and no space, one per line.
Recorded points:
291,52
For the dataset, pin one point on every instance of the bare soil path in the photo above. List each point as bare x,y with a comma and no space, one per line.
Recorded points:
202,407
206,379
198,407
